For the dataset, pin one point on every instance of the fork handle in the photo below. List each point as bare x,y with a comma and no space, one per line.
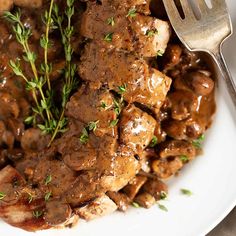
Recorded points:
219,58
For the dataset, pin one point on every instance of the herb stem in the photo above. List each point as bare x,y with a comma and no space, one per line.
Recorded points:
57,128
48,24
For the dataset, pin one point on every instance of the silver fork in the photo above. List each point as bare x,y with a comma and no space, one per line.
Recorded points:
205,34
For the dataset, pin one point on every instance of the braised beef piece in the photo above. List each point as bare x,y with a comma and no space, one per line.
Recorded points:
142,83
138,33
136,128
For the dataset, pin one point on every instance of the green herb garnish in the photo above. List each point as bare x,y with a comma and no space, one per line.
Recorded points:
111,21
162,207
153,142
108,37
92,126
84,137
198,142
151,33
37,214
163,195
122,88
186,192
135,204
184,158
113,123
52,119
47,196
160,53
30,197
48,180
2,195
132,13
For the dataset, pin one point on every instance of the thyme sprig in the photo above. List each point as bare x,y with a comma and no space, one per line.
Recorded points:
53,120
45,43
35,84
70,68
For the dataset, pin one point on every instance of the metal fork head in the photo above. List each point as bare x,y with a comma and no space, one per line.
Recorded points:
200,34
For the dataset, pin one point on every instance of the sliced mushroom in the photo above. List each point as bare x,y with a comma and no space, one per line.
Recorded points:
156,188
166,168
57,213
177,148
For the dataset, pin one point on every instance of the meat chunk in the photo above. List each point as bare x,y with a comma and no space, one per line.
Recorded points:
5,5
99,207
53,175
120,199
13,207
84,159
119,169
143,84
29,3
132,189
141,34
86,188
92,101
136,128
10,180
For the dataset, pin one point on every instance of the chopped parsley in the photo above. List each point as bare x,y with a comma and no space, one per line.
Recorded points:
162,207
108,37
198,142
2,195
48,179
122,88
113,123
131,13
92,126
117,107
47,196
30,198
84,137
186,192
135,204
153,142
163,195
151,33
160,53
104,105
111,21
37,214
184,158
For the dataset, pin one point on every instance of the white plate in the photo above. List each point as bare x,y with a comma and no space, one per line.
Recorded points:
210,177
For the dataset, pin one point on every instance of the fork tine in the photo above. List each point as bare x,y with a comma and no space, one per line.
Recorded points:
203,7
172,12
187,9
